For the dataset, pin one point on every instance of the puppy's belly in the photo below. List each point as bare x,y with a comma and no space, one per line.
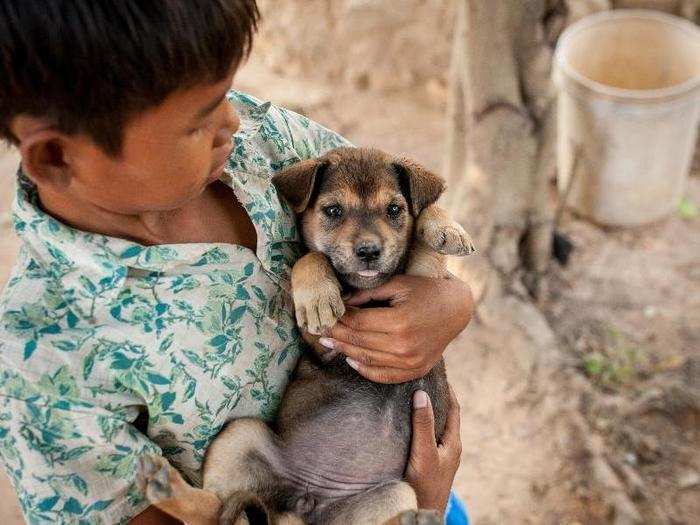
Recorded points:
347,446
341,435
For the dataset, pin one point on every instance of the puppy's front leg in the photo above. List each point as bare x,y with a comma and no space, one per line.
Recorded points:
436,235
435,228
316,293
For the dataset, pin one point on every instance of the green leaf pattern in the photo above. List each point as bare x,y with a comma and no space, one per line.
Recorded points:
97,331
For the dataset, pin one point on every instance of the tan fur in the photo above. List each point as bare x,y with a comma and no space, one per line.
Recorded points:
378,506
436,236
165,488
233,443
316,293
435,228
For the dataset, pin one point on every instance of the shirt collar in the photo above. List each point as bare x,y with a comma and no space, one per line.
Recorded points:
251,114
96,265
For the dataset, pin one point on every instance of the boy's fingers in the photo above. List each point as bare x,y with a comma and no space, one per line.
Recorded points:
423,446
365,356
369,319
396,319
384,374
364,339
385,292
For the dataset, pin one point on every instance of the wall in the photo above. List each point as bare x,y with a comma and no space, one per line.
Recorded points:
361,44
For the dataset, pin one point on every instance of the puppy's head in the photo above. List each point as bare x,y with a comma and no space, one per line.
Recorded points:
357,206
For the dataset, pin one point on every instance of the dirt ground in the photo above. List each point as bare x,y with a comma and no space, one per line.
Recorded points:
613,385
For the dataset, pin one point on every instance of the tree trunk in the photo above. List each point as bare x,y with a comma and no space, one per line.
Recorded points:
501,115
502,133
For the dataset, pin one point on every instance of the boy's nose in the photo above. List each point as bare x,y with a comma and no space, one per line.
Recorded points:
231,122
229,126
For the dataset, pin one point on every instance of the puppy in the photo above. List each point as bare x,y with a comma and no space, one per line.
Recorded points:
340,445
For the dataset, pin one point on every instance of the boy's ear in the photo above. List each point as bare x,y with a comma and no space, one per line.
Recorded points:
44,154
298,182
420,186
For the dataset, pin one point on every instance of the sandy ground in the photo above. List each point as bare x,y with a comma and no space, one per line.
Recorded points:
518,463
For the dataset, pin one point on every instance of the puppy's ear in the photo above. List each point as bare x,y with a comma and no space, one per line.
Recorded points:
420,186
298,182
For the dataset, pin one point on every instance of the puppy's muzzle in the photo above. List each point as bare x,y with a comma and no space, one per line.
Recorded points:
368,252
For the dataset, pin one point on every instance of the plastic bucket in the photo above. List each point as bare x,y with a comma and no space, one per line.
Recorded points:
629,104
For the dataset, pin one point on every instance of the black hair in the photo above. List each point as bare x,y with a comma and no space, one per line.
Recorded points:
88,66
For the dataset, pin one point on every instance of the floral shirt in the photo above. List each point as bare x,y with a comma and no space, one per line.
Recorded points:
110,349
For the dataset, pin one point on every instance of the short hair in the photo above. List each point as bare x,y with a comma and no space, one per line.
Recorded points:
89,66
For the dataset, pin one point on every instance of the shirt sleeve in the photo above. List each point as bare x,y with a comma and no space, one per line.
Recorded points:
307,138
71,464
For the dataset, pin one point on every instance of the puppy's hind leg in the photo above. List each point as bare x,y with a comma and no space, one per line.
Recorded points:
374,507
240,468
165,489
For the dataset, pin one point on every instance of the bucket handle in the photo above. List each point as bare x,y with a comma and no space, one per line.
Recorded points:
578,156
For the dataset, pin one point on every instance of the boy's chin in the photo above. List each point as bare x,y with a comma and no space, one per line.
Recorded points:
215,174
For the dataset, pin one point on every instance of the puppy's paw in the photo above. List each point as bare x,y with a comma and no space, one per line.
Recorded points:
420,517
153,478
318,308
158,480
447,239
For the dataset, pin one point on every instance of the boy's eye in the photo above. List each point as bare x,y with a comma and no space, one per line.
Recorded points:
201,128
197,131
393,210
334,211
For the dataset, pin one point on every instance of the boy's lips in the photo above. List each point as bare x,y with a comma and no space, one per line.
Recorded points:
218,170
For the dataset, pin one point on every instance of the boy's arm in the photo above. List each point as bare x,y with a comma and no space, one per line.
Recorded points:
431,465
153,516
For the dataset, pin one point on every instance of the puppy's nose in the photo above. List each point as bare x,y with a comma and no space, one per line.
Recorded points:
368,252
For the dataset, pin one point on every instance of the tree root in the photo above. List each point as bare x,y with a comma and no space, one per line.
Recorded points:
610,487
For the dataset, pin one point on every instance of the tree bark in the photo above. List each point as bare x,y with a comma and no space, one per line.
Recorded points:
501,115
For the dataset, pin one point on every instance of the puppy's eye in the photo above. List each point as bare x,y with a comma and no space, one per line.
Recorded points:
334,211
393,210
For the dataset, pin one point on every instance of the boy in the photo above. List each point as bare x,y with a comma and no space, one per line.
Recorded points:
150,304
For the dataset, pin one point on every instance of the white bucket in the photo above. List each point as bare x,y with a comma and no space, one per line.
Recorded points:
629,106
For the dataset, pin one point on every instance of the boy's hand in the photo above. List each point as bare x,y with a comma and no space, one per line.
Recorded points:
404,340
431,467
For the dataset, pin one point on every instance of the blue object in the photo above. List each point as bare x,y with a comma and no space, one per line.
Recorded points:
456,511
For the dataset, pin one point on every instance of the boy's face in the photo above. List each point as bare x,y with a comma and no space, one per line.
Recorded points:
170,153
